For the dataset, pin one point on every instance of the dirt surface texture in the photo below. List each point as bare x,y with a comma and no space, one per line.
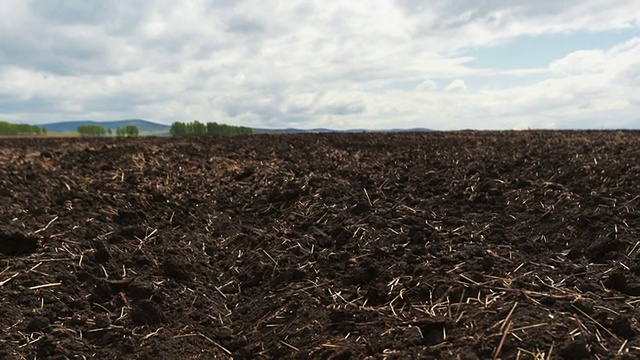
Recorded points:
442,245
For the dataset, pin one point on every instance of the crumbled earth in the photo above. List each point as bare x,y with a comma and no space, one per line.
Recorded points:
465,245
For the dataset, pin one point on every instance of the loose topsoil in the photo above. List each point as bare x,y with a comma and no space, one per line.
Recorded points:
467,245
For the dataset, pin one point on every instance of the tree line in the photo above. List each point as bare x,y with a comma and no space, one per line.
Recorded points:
97,130
21,129
91,130
129,130
197,128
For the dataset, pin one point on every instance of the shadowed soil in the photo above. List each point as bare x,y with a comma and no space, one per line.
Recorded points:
464,245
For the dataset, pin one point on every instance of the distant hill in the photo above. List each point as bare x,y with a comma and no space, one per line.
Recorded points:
146,127
151,128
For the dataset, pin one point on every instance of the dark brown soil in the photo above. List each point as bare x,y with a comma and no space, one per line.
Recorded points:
466,245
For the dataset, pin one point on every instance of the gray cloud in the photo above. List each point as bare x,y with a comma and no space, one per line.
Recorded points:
11,104
343,108
70,12
244,25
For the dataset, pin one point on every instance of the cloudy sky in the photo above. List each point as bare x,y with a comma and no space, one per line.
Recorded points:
457,64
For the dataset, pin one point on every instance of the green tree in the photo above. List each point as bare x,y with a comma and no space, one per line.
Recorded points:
178,129
131,130
91,130
7,128
197,128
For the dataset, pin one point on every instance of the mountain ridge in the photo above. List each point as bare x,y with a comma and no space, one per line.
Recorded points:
145,126
153,128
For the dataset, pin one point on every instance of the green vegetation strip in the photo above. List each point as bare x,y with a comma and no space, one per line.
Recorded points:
21,129
197,128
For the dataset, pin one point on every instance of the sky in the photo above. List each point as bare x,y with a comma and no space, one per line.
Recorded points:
358,64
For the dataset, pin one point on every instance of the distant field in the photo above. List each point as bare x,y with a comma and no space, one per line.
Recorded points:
63,134
75,134
435,245
49,135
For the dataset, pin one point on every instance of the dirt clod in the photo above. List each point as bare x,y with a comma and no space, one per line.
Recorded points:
15,243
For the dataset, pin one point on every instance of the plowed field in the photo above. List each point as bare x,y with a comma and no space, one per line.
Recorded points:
467,245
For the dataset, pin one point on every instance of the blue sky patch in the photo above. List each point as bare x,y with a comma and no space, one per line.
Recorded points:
527,52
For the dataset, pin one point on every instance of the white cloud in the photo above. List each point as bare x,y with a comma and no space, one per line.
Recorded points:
427,85
456,86
311,63
583,61
584,95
